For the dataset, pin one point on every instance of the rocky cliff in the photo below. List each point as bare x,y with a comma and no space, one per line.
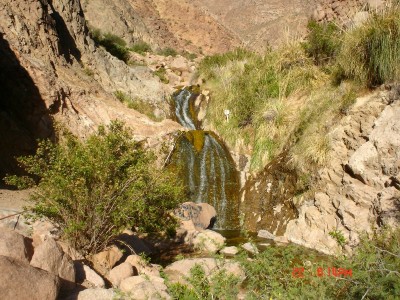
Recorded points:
52,71
173,23
359,189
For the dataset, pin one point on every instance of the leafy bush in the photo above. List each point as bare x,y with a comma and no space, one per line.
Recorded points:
113,44
168,52
97,188
323,42
371,53
141,47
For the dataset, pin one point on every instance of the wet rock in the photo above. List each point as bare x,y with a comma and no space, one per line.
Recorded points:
13,244
22,281
208,241
49,256
202,214
145,287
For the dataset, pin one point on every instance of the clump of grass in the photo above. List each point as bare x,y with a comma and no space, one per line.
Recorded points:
249,85
138,104
168,52
323,42
140,47
371,53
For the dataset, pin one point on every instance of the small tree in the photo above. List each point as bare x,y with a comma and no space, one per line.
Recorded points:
97,188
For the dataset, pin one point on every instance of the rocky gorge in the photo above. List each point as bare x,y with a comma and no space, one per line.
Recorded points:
55,75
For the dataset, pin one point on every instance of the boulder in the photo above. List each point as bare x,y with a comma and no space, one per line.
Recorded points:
144,287
281,240
83,272
179,270
208,241
265,234
203,215
13,244
19,280
106,260
119,273
179,63
250,247
93,294
49,256
229,251
141,266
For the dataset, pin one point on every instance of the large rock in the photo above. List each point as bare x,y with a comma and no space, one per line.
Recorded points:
208,241
93,294
19,280
105,260
145,287
119,273
203,215
142,266
179,270
83,272
13,244
49,256
230,251
265,234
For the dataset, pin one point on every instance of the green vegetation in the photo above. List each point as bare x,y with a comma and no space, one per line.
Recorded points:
140,47
323,42
371,53
162,74
142,106
95,189
338,236
289,98
167,52
115,45
293,273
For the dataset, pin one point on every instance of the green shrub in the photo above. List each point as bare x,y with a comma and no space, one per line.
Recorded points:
273,274
162,74
168,52
371,53
142,106
323,42
141,47
95,189
113,44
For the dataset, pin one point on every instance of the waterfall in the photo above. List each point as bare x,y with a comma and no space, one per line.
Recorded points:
208,168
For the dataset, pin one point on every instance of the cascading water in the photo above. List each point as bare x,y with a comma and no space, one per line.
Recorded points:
209,170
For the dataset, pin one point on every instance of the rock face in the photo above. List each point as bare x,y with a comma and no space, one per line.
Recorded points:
345,12
21,281
49,256
13,245
173,23
359,189
46,56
